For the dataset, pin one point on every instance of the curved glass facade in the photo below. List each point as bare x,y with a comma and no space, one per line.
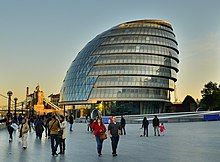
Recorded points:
133,62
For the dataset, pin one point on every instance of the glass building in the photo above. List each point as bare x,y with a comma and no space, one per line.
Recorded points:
132,67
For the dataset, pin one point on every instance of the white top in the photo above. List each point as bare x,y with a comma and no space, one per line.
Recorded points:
64,128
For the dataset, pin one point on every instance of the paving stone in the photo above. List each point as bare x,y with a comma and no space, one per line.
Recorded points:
183,142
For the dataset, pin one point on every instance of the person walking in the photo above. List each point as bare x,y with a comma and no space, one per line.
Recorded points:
88,124
145,124
162,129
156,123
63,125
54,126
31,122
71,120
20,118
10,129
123,123
47,130
98,130
39,127
113,131
24,132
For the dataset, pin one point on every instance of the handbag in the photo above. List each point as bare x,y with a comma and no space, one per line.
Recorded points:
103,136
14,126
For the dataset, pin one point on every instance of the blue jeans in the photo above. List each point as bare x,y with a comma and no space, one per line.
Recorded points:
54,142
99,144
114,140
71,127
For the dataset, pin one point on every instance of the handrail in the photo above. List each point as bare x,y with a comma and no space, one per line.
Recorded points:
19,106
51,104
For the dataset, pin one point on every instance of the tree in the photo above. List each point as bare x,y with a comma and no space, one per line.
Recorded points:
209,88
210,96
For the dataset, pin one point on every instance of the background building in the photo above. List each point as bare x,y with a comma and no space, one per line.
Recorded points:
128,69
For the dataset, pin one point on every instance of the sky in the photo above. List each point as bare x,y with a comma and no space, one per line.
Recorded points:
39,39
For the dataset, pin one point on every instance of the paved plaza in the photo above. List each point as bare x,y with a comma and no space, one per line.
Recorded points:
183,142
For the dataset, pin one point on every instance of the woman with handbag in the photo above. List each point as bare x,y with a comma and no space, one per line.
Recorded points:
62,134
99,133
24,132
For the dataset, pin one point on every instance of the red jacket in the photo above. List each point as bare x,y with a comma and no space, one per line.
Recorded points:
98,129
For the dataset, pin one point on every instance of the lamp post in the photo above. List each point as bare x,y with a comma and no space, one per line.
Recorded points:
15,99
22,104
9,101
64,110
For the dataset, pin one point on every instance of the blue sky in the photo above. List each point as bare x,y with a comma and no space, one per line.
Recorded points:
39,39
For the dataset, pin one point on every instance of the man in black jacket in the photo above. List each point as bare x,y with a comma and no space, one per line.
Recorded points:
71,120
113,129
123,123
156,123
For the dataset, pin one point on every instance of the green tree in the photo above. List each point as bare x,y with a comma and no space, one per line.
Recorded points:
210,96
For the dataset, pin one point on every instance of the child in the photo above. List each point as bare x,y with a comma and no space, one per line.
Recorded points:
162,129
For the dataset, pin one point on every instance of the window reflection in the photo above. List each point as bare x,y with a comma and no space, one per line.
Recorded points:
129,93
131,48
135,70
142,81
137,59
141,39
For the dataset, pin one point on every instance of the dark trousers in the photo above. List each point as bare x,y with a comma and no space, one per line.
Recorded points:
99,144
123,130
54,142
114,140
62,145
10,131
156,129
146,131
88,128
46,131
39,134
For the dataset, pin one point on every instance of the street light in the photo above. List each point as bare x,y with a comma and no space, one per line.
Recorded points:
9,101
22,105
15,99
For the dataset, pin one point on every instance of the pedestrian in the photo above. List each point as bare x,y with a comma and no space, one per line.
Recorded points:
54,126
156,123
71,119
123,123
98,131
113,130
47,130
162,129
20,118
39,127
31,123
63,125
15,118
145,124
24,132
88,124
10,129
